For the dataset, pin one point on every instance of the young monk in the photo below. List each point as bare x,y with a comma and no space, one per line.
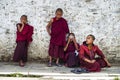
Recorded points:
87,56
71,57
57,28
24,37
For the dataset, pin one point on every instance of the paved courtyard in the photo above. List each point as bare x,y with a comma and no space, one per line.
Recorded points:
55,73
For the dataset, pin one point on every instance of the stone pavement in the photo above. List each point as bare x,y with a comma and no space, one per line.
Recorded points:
50,73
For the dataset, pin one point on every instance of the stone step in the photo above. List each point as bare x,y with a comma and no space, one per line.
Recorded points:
80,78
62,76
15,78
59,78
96,74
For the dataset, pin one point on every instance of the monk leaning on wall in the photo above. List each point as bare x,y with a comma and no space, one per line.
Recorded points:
24,37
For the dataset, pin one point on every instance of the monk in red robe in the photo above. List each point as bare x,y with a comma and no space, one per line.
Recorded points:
24,37
57,28
71,51
87,56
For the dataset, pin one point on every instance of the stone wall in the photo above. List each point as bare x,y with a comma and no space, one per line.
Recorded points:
98,17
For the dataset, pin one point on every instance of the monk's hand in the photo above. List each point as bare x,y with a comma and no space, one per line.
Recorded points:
74,40
51,20
28,44
68,40
22,24
92,61
108,64
89,61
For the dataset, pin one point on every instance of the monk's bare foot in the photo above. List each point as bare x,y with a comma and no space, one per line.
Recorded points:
21,64
65,65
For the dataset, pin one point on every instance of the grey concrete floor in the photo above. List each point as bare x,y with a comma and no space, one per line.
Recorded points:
37,68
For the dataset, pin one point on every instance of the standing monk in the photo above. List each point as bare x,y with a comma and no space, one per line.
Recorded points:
57,28
87,54
24,37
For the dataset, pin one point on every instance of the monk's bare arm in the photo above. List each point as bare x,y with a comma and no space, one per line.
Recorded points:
65,48
89,61
48,26
108,64
20,28
76,45
100,53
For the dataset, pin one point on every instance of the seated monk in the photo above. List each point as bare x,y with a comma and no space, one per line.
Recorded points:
87,54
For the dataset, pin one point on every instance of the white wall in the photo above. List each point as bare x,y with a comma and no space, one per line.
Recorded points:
98,17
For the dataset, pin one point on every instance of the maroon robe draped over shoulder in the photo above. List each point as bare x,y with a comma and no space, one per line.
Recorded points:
59,29
25,34
90,54
22,40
